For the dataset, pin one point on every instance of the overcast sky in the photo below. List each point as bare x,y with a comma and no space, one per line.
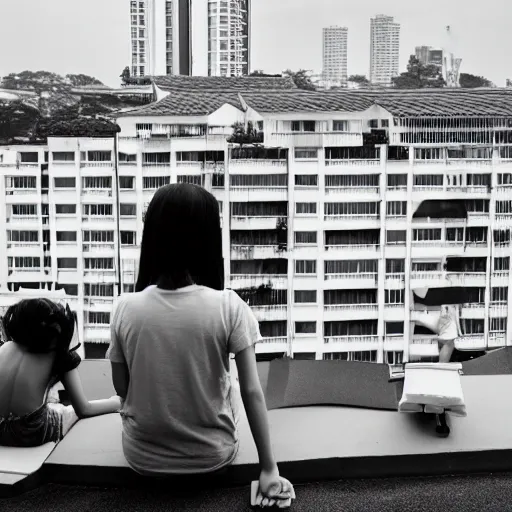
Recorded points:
92,36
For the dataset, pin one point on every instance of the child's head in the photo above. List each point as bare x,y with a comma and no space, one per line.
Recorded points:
39,325
182,238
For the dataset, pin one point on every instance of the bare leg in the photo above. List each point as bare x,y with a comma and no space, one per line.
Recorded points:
446,349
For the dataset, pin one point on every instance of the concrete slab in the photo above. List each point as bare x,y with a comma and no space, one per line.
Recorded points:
23,461
314,443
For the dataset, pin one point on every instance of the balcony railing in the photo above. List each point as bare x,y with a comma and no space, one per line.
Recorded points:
351,339
351,190
353,247
351,307
275,339
353,163
96,164
90,247
369,217
358,275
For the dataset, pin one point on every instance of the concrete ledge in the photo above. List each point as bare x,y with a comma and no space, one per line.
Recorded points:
325,443
310,444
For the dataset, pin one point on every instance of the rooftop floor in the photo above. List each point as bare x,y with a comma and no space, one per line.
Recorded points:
450,494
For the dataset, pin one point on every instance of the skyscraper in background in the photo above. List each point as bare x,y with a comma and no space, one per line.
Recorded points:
334,68
428,55
190,37
384,49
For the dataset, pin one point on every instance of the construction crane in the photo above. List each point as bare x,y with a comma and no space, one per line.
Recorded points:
451,65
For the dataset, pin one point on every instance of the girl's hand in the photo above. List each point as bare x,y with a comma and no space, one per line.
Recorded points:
274,487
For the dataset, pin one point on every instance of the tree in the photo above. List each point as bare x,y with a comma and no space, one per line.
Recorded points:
301,79
419,76
82,80
359,79
125,75
260,72
17,120
36,81
469,81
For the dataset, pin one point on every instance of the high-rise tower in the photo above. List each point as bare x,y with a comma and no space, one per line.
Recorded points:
190,37
384,49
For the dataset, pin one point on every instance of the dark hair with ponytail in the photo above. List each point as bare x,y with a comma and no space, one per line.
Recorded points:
39,325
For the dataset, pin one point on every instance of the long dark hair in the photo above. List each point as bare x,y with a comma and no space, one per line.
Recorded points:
40,325
182,237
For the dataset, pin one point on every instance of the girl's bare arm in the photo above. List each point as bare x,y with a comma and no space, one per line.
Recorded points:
83,407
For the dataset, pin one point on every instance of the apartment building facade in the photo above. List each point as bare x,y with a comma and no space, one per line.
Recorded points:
334,55
384,49
190,37
319,232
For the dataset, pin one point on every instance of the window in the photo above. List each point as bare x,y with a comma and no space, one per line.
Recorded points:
428,180
258,180
65,209
394,297
305,208
306,154
66,236
97,182
66,263
97,210
70,289
98,156
395,266
98,290
304,296
397,181
352,180
498,324
502,264
64,182
155,182
306,237
128,237
29,157
340,126
384,123
454,234
396,237
426,235
99,263
98,237
25,210
128,210
128,288
305,267
426,266
19,262
373,123
499,294
306,180
126,182
98,317
126,158
362,209
22,236
305,327
303,126
20,182
396,208
63,156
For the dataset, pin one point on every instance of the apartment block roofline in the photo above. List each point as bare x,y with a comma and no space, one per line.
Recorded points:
404,103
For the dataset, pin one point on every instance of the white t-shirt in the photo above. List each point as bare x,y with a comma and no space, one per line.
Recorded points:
178,413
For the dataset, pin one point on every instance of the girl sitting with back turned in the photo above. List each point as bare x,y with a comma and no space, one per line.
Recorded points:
36,357
170,346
